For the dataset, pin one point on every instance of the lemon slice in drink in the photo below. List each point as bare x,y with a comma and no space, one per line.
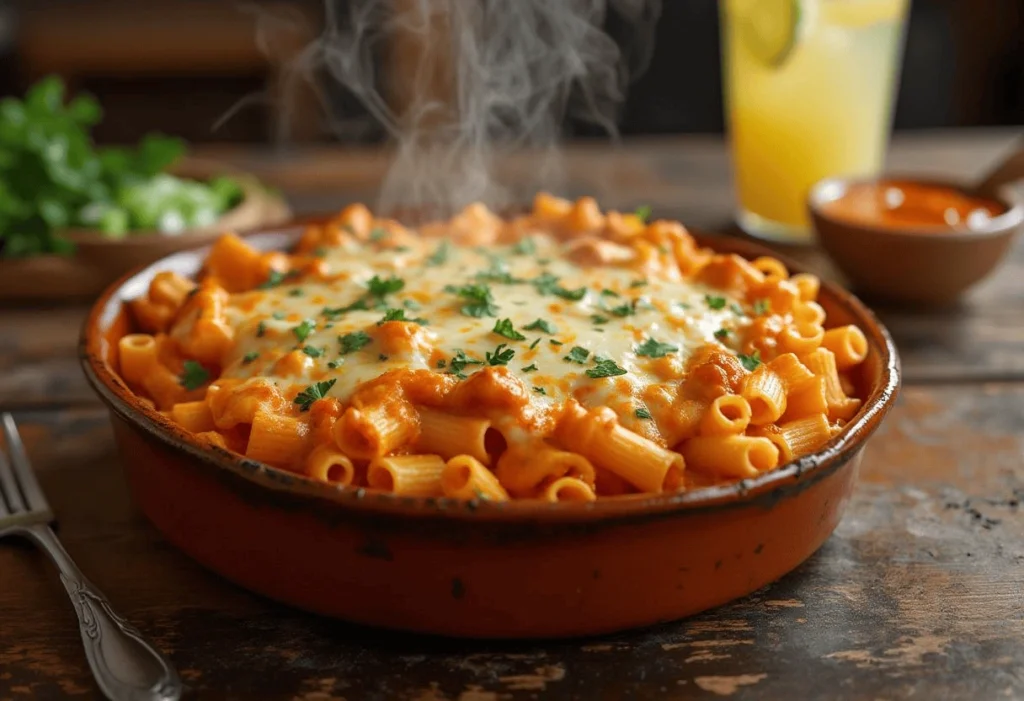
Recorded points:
771,28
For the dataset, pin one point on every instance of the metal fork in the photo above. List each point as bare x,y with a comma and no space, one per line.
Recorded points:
127,667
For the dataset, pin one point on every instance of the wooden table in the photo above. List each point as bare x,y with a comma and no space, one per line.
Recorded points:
919,594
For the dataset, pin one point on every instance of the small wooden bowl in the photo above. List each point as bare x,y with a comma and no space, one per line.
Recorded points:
99,260
930,266
519,569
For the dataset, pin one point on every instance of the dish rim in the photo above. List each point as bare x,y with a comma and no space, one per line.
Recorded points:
768,487
1005,224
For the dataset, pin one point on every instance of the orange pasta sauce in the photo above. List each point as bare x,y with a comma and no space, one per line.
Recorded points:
908,205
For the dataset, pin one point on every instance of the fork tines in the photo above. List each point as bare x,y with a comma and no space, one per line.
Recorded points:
19,489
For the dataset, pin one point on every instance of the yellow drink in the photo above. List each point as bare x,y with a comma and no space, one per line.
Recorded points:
809,90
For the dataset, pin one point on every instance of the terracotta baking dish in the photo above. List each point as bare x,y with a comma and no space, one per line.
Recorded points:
516,569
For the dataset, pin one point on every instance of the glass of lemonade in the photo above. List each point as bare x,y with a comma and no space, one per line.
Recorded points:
809,87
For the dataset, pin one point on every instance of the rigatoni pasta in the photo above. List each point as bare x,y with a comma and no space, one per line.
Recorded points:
565,355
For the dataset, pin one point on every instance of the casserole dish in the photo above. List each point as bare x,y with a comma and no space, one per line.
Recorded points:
480,569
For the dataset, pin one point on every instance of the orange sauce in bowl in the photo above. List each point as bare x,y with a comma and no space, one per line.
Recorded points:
908,205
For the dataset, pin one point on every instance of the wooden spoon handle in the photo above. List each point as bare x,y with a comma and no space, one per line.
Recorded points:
1006,171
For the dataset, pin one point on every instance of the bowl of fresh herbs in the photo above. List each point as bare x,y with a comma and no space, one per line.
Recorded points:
74,216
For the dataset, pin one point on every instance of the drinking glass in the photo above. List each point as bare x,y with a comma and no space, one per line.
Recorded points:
809,87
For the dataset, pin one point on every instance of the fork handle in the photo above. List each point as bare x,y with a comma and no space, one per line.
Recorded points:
126,666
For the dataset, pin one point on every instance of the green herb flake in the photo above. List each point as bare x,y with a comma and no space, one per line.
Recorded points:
722,334
411,305
381,357
250,357
750,362
541,325
360,305
626,309
547,284
381,287
333,364
643,212
525,247
481,301
638,283
193,375
303,330
276,277
609,293
312,351
578,354
503,327
280,316
598,319
554,342
398,314
440,254
297,292
737,309
501,355
532,367
762,306
643,414
319,252
605,367
653,349
441,363
715,301
261,329
539,390
351,342
378,234
459,362
315,391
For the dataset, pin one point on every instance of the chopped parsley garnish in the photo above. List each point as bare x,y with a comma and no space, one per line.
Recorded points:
312,351
250,357
261,328
280,316
360,304
714,301
501,355
297,292
722,334
638,283
609,293
737,309
642,413
401,249
535,342
598,319
411,304
377,233
541,325
762,306
653,349
319,252
193,375
554,342
398,314
440,254
532,367
459,362
498,272
276,277
627,309
303,330
525,247
605,367
315,391
750,362
381,357
643,212
578,354
333,364
481,302
380,287
441,363
351,342
547,284
539,390
503,327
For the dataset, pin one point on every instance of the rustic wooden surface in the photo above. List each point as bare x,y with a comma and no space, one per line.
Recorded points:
919,594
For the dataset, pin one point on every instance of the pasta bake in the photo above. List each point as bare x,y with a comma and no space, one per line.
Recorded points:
566,354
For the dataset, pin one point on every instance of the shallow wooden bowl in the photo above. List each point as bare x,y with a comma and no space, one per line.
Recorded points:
480,569
99,260
925,267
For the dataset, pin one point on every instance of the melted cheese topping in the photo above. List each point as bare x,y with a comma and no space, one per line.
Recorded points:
601,334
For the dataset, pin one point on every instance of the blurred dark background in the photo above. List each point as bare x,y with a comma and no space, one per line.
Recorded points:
180,65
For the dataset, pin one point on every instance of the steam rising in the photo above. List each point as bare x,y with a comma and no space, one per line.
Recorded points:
455,82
